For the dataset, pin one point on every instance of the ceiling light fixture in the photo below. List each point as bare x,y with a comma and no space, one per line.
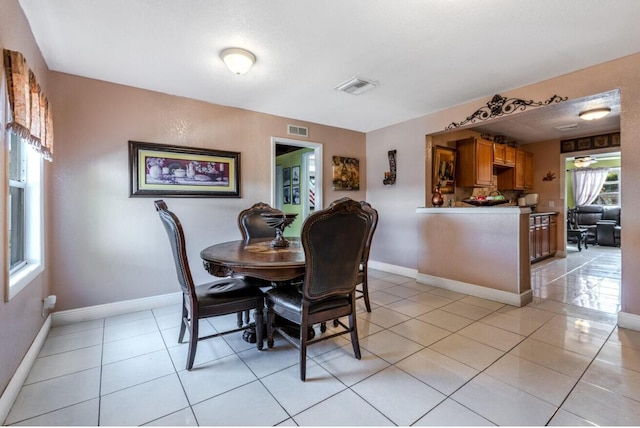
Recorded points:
583,162
239,61
594,114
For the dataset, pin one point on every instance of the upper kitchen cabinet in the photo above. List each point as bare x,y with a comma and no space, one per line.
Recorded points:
520,177
474,162
504,155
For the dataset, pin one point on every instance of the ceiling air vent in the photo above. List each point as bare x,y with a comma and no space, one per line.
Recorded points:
356,85
297,130
566,127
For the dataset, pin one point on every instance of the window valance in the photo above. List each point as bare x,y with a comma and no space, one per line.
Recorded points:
30,110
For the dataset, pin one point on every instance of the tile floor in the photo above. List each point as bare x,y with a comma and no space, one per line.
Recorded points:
429,357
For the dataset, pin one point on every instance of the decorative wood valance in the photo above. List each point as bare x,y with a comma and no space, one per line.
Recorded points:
30,111
500,105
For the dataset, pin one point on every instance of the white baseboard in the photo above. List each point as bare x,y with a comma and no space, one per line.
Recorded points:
398,270
17,380
112,309
630,321
501,296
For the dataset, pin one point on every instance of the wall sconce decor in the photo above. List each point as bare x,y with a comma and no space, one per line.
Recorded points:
549,177
390,176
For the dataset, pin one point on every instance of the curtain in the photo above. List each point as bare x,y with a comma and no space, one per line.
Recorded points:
587,183
30,111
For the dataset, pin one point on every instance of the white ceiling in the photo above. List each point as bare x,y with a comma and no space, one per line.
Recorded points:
426,55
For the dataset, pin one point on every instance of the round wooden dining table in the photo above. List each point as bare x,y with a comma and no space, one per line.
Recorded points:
255,258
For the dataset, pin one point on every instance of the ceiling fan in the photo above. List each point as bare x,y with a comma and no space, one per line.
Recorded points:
584,161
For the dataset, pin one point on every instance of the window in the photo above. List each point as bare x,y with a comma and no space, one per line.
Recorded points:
610,192
24,214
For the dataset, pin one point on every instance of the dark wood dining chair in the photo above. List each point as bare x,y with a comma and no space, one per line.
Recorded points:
363,273
333,240
253,226
251,223
220,297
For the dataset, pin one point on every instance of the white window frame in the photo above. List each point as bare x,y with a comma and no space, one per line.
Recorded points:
34,212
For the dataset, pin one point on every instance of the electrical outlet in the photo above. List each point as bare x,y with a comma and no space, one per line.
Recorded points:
552,204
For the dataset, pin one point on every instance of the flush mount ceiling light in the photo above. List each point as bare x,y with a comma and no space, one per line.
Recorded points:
594,114
583,162
239,61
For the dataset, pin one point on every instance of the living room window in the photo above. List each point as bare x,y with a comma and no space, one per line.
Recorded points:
25,216
610,192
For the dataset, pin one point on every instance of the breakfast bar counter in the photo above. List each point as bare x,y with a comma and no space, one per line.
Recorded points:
480,251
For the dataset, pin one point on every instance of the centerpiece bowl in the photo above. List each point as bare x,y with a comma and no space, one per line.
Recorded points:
279,222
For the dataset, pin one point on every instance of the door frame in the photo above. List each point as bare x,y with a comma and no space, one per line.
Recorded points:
317,147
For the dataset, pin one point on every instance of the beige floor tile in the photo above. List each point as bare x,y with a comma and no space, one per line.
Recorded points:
614,378
503,404
554,357
483,303
622,356
451,413
465,310
437,370
409,307
573,340
492,336
602,407
384,317
400,397
445,320
467,351
544,383
432,300
343,409
390,346
419,331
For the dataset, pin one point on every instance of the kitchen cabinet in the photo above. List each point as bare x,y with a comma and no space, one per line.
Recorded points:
504,155
474,157
543,230
520,177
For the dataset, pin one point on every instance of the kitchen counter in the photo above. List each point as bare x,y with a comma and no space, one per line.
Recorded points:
481,251
514,209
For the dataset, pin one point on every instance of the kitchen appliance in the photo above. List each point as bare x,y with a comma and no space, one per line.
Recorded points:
528,200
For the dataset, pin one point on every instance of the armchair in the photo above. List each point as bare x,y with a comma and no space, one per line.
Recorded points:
608,229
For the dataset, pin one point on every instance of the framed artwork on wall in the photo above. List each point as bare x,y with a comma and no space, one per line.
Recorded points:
163,170
295,195
286,195
443,169
295,175
346,173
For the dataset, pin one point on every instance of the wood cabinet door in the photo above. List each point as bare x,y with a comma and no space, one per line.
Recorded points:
499,153
528,170
553,234
484,162
518,183
509,156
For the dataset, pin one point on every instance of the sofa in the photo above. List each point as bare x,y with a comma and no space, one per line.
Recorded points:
602,223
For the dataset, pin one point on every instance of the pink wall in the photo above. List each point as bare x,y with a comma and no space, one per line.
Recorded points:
107,247
20,318
396,240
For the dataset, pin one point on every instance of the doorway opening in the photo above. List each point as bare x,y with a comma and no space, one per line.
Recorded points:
296,179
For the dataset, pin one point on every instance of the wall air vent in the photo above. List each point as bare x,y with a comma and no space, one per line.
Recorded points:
356,85
300,131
